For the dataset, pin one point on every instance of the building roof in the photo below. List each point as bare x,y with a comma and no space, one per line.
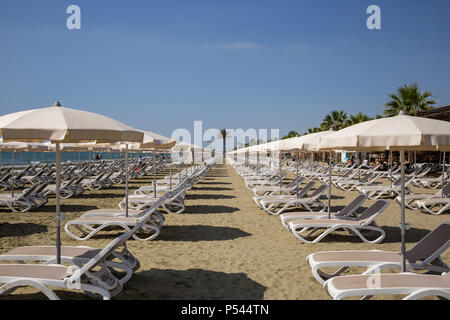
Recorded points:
440,113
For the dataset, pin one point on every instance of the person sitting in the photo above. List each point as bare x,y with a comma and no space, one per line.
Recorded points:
365,164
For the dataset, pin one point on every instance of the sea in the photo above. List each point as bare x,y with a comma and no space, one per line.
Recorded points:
26,158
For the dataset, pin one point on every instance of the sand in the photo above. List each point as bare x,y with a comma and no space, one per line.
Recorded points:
222,247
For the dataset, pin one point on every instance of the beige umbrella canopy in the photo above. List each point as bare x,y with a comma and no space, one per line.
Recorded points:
309,142
156,141
402,133
13,146
64,125
185,152
395,133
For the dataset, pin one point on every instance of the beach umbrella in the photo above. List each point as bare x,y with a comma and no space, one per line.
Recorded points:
12,146
400,133
305,143
63,125
156,141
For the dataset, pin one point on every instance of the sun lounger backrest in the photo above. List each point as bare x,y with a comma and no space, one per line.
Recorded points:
294,182
423,172
306,188
367,177
41,186
352,206
408,179
6,177
30,190
74,280
316,193
445,191
397,182
373,211
437,241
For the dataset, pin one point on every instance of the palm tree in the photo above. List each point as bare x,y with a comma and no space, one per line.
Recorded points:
223,134
291,134
314,130
410,100
335,120
357,118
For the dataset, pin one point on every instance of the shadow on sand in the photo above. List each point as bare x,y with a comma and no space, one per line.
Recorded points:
212,189
202,183
194,233
67,208
392,236
208,196
192,284
20,229
208,209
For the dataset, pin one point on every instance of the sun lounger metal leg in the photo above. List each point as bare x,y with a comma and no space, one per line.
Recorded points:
10,287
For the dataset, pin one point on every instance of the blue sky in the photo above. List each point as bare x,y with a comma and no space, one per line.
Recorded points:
160,65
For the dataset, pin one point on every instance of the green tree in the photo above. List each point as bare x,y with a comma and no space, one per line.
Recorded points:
410,100
291,134
224,134
335,120
313,130
357,118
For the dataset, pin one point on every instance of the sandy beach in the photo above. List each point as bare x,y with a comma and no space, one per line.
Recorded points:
221,247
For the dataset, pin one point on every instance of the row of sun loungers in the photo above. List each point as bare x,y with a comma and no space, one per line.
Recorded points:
309,221
140,209
97,272
425,255
39,182
311,226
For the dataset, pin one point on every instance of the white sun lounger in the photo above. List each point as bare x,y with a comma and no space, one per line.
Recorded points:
284,189
93,277
347,211
427,205
304,228
300,194
414,286
90,226
123,261
173,201
410,199
375,192
425,255
431,183
271,206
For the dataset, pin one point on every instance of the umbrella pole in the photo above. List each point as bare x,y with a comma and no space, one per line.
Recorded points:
443,173
298,157
170,173
126,180
358,154
403,225
154,173
12,176
323,160
390,169
257,162
329,189
58,208
415,160
279,165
